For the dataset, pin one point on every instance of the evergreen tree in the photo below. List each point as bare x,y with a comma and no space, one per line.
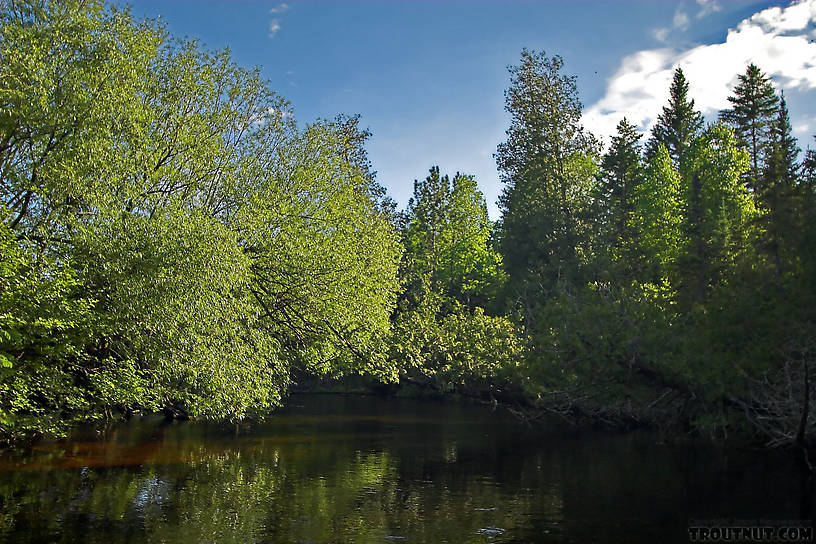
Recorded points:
752,116
776,190
809,171
427,215
621,175
679,123
547,164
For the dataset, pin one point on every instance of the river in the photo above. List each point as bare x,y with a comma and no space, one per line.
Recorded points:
331,468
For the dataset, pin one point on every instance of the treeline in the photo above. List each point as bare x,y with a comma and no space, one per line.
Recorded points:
172,241
669,284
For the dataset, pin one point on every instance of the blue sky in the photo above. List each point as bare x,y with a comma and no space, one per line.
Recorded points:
428,76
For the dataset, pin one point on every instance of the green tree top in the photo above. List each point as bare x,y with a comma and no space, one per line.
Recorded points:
447,237
622,172
547,164
754,109
679,123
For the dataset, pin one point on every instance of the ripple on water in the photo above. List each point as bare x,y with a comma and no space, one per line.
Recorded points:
491,531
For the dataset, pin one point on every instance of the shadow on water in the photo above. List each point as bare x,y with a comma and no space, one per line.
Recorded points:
342,469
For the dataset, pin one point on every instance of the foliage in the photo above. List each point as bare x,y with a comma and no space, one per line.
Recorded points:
45,322
755,106
217,247
679,123
659,215
173,240
451,269
548,164
717,209
458,350
447,239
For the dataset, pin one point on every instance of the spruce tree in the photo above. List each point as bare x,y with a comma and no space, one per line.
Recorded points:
678,124
776,190
752,116
622,173
809,170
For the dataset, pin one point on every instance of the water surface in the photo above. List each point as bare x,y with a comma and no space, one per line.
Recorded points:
365,470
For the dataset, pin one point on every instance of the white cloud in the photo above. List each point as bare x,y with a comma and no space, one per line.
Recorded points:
779,41
707,7
680,20
660,34
806,127
274,26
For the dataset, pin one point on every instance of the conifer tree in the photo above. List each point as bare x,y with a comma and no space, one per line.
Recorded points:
809,170
622,172
752,116
678,124
776,190
547,164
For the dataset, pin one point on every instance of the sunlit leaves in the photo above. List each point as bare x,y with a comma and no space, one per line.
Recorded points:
218,245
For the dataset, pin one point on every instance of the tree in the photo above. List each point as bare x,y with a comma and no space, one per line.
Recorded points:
809,170
754,109
547,164
679,123
621,175
71,74
447,240
717,211
776,192
324,257
352,139
45,323
660,215
217,248
451,272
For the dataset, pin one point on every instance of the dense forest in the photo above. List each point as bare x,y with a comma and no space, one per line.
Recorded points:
172,240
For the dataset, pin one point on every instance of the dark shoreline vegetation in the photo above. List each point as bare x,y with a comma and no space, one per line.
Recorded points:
173,241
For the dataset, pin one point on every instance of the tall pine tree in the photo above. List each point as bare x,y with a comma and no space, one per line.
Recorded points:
679,123
621,175
752,116
809,171
776,191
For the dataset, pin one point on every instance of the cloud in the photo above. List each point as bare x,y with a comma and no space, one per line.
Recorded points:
806,126
680,20
803,127
274,26
707,7
660,34
779,41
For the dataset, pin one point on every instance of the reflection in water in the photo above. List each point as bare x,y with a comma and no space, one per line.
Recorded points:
339,469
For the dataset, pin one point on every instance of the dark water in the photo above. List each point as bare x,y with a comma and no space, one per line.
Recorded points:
352,469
